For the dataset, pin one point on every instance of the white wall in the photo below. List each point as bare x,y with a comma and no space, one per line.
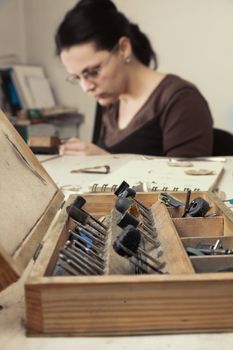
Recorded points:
193,38
12,31
42,18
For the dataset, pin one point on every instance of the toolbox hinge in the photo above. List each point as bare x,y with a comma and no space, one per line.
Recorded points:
37,252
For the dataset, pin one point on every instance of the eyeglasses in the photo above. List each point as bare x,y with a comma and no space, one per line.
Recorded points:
91,74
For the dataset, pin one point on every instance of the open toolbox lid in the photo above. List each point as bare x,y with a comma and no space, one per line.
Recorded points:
29,200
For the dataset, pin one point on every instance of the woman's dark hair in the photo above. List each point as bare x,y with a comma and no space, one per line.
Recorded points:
100,22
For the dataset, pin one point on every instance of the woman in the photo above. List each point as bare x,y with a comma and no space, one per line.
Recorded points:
145,111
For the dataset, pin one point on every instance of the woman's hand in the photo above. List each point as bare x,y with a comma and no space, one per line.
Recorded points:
77,147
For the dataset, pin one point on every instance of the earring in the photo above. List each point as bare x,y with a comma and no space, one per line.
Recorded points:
128,60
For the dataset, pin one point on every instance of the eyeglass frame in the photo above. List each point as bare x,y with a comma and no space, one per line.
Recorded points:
93,73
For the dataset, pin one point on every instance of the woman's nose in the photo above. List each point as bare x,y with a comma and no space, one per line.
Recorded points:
87,86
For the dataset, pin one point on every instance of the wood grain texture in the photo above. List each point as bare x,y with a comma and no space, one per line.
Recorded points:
227,241
181,301
126,307
99,204
8,271
11,267
177,260
34,308
29,200
27,249
212,263
26,189
25,149
54,239
199,227
225,212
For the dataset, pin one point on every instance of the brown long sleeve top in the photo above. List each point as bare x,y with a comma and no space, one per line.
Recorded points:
175,121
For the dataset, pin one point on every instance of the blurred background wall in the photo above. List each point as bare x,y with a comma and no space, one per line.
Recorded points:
193,38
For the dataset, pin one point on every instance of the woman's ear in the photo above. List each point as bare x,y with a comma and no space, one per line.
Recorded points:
125,48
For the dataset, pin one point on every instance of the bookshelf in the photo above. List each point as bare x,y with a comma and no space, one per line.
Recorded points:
27,99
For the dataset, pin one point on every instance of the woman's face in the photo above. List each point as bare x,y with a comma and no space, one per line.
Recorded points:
102,74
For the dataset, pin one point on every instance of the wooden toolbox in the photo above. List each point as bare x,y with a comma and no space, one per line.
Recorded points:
192,296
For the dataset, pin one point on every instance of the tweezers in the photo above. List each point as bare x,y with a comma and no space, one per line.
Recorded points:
103,169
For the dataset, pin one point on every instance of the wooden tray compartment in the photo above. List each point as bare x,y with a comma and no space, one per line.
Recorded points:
178,212
173,251
227,241
198,226
210,263
193,231
181,301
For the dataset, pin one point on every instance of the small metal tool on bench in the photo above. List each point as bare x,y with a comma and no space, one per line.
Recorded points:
99,169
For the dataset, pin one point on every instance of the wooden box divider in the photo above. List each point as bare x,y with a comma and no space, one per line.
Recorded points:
213,263
199,227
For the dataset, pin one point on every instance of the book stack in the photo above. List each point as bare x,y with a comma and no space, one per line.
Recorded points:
27,99
24,87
